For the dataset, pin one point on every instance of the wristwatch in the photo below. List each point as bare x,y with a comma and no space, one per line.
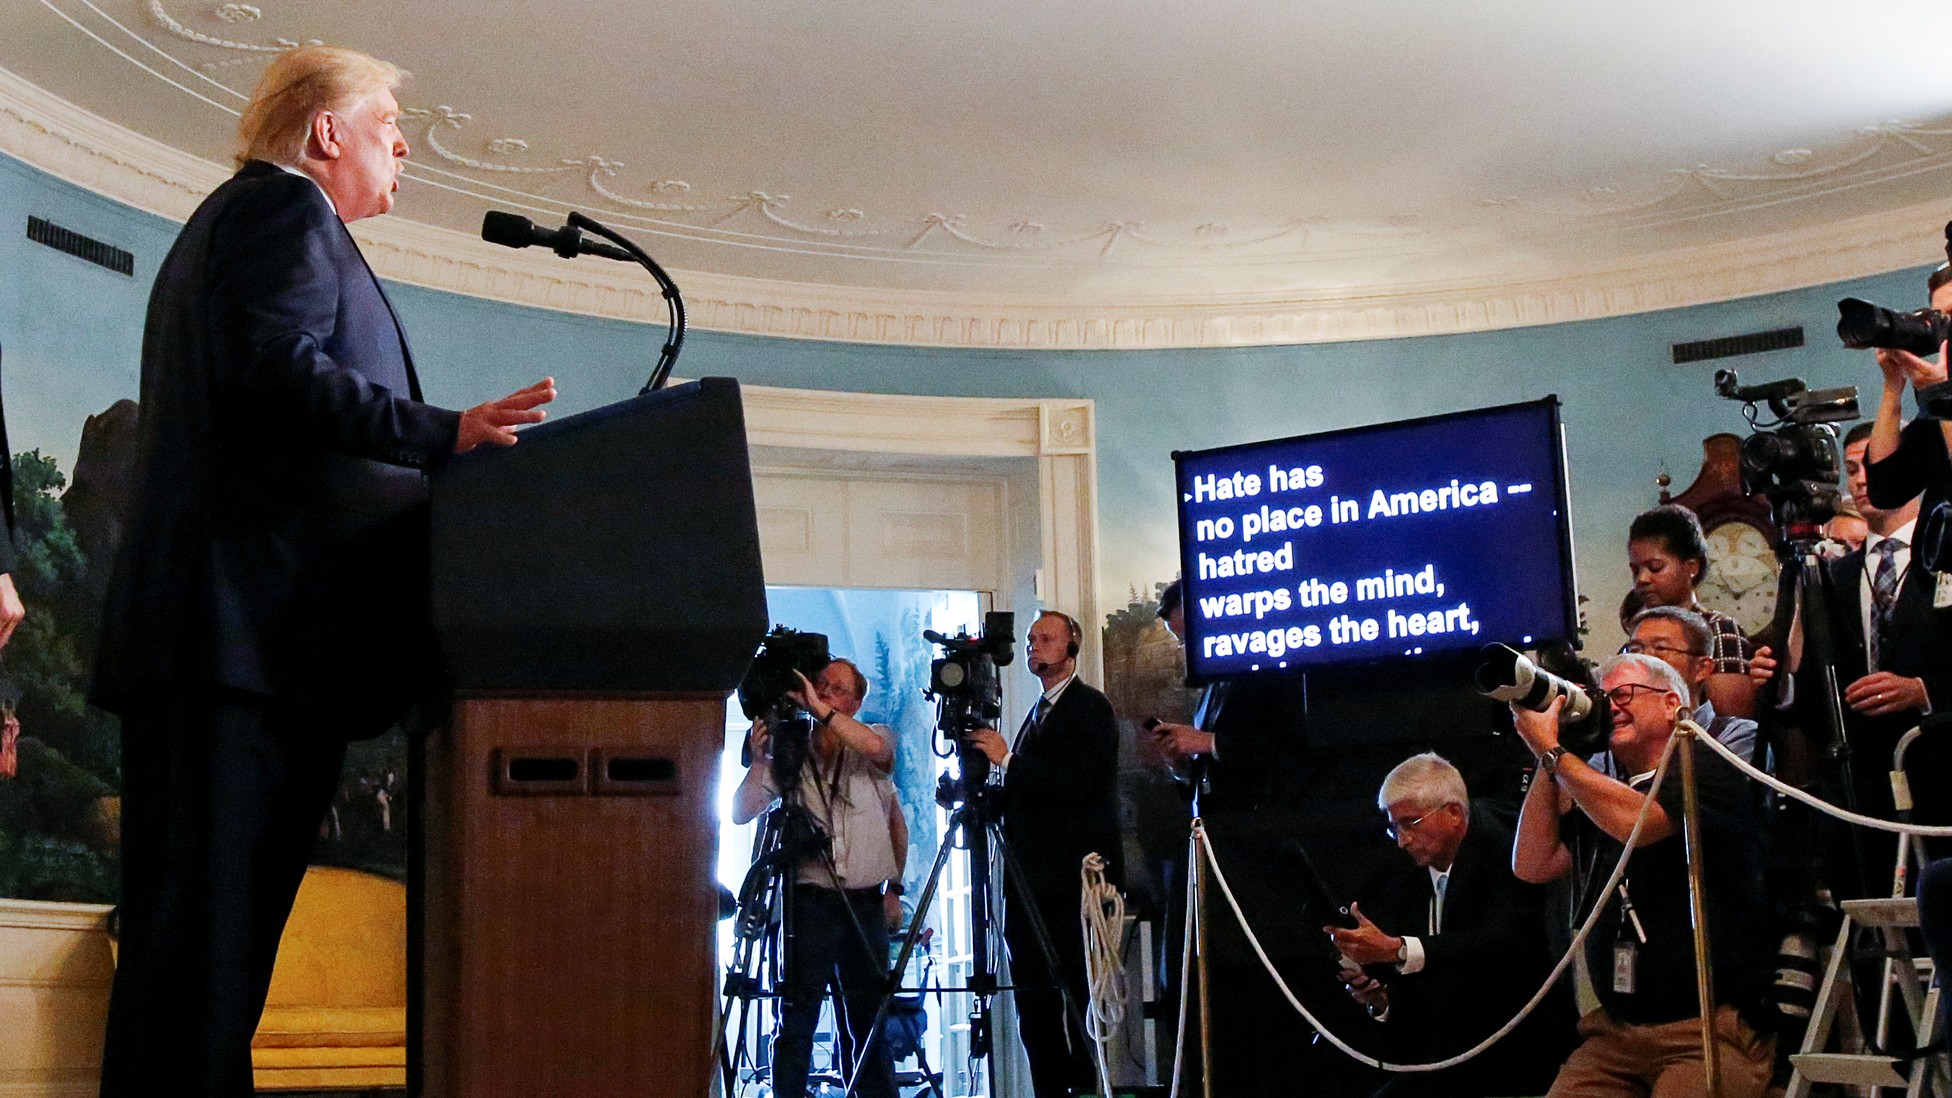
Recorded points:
1549,762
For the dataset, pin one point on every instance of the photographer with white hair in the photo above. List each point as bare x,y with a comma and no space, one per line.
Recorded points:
1646,1034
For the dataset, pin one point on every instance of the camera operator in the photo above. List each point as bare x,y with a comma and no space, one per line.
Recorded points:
1909,459
839,922
1646,1034
1894,666
1059,802
1469,949
1668,555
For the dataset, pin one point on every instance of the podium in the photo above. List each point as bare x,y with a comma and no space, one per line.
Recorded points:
597,594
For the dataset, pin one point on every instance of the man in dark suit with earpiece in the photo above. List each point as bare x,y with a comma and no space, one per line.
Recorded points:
1059,803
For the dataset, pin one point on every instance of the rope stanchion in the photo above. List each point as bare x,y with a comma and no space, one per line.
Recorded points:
1101,919
1201,841
1193,840
1812,799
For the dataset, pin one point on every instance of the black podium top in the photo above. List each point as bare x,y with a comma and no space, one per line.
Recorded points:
613,550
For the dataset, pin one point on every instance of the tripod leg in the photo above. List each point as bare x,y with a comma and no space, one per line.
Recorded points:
909,940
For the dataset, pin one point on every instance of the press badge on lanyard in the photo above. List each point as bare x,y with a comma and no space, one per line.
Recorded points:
1626,947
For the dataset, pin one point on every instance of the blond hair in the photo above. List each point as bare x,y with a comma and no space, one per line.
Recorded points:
296,86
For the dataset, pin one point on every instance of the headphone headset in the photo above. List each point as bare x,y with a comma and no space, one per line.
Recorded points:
1070,624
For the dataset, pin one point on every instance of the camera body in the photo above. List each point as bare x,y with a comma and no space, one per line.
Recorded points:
963,681
1862,325
1511,676
763,696
782,652
1796,461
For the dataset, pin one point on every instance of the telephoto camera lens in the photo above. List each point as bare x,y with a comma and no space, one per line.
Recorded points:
1508,675
1862,325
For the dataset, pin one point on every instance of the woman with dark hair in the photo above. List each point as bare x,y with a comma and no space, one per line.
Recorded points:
1668,554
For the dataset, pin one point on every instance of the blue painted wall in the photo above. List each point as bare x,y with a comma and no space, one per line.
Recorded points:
72,331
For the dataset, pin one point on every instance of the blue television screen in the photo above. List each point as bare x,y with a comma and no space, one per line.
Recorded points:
1396,540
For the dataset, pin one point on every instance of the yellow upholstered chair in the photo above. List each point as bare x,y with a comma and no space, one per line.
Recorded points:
336,1018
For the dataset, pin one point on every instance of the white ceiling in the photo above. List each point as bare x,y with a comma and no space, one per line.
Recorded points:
1126,156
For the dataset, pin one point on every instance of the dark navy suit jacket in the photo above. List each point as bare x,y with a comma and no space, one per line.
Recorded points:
1488,961
278,544
1921,647
1060,796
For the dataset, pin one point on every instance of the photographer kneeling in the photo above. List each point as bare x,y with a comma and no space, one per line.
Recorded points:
839,932
1646,1035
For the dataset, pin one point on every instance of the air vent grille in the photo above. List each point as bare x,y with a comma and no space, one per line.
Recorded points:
42,231
1754,343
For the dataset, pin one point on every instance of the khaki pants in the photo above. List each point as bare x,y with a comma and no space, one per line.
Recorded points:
1663,1061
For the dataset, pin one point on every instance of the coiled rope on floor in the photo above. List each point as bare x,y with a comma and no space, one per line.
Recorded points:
1101,918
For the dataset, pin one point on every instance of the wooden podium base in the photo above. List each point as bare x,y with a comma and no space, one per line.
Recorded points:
568,906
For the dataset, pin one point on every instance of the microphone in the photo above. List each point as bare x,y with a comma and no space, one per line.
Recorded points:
515,231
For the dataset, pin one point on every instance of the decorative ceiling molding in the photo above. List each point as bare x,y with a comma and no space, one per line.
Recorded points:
759,217
78,146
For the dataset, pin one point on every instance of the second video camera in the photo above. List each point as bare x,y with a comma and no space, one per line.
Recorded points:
1795,461
963,681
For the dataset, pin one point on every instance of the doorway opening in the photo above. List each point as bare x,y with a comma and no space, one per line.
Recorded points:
881,631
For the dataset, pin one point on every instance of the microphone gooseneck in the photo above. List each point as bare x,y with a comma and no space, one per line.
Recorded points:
515,231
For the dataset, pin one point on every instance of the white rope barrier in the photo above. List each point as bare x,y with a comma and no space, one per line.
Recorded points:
1201,840
1812,799
1201,846
1101,919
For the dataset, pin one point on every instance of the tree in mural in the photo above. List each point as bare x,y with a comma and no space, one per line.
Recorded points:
900,672
58,811
1145,677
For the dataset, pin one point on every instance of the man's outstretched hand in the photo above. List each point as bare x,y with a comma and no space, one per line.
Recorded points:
495,421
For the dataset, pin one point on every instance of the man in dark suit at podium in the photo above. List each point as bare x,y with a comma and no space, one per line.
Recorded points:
1059,803
269,600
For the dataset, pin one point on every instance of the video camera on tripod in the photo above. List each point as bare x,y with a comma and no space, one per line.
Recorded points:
1795,460
765,695
963,681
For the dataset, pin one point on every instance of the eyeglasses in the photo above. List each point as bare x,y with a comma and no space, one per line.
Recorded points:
1636,648
1622,696
1395,829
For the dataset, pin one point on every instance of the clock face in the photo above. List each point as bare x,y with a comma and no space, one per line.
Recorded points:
1742,568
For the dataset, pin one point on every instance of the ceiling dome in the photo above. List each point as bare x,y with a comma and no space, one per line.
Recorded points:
1091,175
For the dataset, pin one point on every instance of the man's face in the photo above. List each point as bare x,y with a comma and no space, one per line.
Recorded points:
835,686
1049,640
364,176
1850,531
1429,833
1659,577
1665,640
1857,476
1643,714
